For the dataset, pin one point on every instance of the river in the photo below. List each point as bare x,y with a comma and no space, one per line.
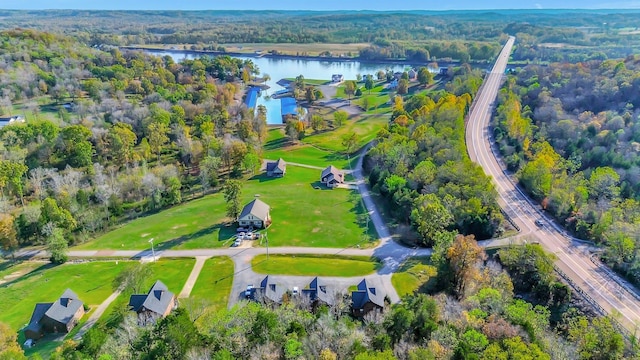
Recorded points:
281,68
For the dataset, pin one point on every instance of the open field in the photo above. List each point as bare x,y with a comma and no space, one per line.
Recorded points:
326,218
172,272
196,224
10,270
305,213
413,275
91,281
214,283
277,146
365,126
314,265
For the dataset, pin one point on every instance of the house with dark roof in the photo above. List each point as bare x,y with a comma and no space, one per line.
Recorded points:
4,121
320,292
58,317
331,176
270,290
368,297
276,168
255,215
154,305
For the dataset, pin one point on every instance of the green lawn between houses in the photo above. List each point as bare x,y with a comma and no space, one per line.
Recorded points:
214,283
303,212
414,274
314,265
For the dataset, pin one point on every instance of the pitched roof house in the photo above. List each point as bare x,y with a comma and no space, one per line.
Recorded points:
255,214
156,304
331,176
320,292
270,290
276,168
412,74
366,298
58,317
4,121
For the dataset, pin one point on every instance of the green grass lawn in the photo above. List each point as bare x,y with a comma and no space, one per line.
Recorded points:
277,146
11,270
415,274
214,283
302,216
172,272
305,216
91,281
197,224
314,265
311,81
365,126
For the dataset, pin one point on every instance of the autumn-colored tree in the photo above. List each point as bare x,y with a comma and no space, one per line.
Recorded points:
8,238
9,348
463,257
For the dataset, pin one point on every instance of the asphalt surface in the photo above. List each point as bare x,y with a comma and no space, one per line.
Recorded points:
610,292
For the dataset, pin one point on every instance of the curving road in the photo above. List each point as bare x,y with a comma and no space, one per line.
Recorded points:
611,293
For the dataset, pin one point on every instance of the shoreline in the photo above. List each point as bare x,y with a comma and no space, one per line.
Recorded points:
299,57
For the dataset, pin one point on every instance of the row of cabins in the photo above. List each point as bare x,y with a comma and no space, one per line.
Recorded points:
330,176
64,314
17,119
367,296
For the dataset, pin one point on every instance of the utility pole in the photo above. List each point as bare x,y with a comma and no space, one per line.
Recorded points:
266,237
153,252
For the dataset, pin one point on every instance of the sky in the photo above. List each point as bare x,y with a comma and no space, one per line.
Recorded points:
317,5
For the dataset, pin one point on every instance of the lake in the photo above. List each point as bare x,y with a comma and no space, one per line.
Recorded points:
279,68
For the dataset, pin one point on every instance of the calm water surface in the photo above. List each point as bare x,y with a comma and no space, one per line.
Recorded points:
290,68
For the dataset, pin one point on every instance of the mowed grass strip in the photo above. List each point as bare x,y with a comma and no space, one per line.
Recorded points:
415,274
93,282
314,265
214,283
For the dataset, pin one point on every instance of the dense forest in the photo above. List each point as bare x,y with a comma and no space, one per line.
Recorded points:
473,308
123,134
572,134
551,35
421,168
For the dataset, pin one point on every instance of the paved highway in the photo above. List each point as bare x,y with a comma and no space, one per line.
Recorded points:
612,294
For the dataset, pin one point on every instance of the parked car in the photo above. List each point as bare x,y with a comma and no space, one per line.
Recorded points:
295,291
249,292
539,223
236,243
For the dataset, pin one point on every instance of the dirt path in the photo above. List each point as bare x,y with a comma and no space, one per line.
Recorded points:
93,318
193,277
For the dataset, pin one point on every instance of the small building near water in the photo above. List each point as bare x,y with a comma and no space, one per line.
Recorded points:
252,97
336,78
